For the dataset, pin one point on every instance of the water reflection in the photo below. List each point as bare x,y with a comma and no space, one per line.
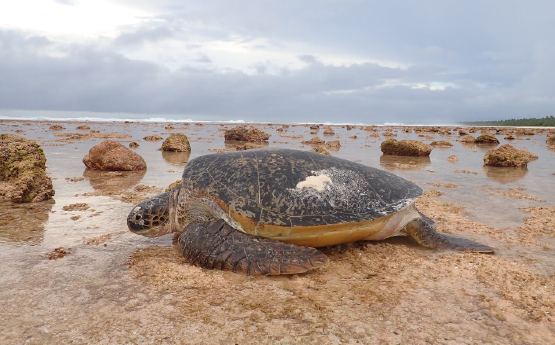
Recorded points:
504,174
113,181
23,222
390,162
176,158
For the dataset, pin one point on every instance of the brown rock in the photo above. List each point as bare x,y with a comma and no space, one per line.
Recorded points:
170,126
133,145
329,131
441,143
176,142
313,141
550,140
248,146
252,134
468,139
152,137
57,127
320,149
112,155
463,132
83,127
507,156
452,159
23,170
334,144
487,139
405,148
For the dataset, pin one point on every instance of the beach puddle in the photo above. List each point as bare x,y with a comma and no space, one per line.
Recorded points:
72,273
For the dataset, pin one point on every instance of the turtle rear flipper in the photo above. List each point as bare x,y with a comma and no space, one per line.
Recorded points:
217,245
426,236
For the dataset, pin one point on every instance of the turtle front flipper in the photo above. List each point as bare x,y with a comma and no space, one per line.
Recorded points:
426,236
217,245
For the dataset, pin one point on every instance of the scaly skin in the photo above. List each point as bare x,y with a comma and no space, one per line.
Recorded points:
216,245
426,236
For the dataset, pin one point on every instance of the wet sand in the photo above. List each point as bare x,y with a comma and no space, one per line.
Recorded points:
72,273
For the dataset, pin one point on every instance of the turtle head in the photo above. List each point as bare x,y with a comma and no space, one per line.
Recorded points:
151,217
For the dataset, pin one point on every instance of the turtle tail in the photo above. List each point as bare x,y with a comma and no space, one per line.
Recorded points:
423,232
217,245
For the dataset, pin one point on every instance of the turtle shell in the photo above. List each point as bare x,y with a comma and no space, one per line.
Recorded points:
275,190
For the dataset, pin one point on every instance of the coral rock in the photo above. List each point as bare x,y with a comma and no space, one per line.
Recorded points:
487,139
247,134
23,170
405,148
176,142
112,155
508,156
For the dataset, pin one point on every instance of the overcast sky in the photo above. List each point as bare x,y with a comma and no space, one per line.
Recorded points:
281,61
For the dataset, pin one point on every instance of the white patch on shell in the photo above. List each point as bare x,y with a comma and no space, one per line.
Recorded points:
318,182
345,191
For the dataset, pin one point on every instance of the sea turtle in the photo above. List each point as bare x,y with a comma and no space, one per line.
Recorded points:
262,212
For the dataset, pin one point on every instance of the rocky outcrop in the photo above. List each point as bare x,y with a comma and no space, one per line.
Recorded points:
333,144
320,149
405,148
112,155
23,170
508,156
441,143
176,142
486,139
551,140
252,134
313,141
152,137
468,139
248,146
329,131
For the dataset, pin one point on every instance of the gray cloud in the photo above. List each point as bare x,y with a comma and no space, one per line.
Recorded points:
486,60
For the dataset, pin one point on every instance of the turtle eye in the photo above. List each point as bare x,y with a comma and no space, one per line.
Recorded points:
138,217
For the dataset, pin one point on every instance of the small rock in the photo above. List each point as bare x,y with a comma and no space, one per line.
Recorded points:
405,148
170,126
57,127
321,150
112,155
152,137
441,143
252,134
176,142
133,145
83,127
487,139
334,144
329,131
452,159
247,146
468,139
313,141
508,156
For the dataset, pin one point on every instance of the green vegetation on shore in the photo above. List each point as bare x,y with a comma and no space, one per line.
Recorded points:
548,121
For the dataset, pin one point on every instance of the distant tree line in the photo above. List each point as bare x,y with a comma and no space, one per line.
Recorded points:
548,121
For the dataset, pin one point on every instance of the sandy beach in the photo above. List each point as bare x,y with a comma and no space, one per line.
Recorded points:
74,274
